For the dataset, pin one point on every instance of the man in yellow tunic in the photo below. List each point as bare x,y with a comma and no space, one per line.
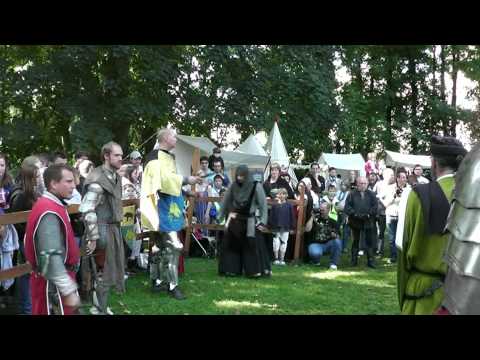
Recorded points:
161,205
421,268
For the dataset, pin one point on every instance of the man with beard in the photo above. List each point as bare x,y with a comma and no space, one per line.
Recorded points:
421,267
102,212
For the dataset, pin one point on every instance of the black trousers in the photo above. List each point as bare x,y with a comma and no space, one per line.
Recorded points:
382,225
241,254
370,237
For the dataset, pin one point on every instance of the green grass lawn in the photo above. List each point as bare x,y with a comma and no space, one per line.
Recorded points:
292,290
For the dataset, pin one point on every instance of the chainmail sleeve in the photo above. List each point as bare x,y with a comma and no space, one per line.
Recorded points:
50,249
90,201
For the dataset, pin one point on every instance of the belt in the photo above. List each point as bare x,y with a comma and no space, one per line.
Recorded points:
240,216
436,284
72,268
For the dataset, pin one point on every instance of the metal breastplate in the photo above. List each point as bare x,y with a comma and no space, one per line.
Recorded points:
462,284
467,179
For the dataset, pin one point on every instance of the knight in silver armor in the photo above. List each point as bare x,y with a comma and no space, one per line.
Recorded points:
160,180
102,213
462,282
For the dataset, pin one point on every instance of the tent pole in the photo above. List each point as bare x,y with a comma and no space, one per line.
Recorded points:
266,167
191,203
300,225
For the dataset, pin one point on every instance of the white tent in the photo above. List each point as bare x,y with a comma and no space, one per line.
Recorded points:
184,151
252,146
344,163
278,153
187,144
397,159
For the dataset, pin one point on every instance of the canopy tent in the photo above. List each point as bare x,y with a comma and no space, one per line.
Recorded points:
278,153
344,163
395,159
187,144
252,146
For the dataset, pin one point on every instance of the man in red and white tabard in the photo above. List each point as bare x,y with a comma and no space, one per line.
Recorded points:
51,249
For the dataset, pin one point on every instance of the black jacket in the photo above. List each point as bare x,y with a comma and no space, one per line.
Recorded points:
212,158
280,183
361,212
315,188
19,202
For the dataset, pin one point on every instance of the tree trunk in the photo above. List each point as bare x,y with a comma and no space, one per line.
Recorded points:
434,70
116,72
390,93
413,101
443,119
389,110
453,122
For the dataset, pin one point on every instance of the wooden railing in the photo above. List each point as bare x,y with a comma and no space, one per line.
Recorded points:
22,216
299,228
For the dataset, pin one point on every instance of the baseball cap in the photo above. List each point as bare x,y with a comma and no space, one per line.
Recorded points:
135,155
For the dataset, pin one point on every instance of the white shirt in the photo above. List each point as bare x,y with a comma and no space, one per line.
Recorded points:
422,180
75,199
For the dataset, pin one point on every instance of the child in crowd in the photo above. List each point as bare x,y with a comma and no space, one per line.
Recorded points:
282,222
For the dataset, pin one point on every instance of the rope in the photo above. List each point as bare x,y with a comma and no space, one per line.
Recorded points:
154,134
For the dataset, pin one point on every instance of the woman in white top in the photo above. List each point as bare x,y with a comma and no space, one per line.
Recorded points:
392,201
342,218
315,197
418,172
382,191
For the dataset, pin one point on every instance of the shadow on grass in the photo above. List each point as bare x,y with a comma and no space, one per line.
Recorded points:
291,290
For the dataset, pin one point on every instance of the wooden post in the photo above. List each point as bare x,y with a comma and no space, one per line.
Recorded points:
191,203
300,225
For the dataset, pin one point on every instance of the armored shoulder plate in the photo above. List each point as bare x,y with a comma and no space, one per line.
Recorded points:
463,257
94,175
463,223
92,198
467,180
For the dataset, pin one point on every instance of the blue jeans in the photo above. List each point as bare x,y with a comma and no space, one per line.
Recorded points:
392,231
24,295
334,247
22,289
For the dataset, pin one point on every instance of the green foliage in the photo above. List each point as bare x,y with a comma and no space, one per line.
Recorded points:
69,97
395,97
248,86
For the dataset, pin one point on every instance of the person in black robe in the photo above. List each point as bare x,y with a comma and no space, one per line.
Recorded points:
245,209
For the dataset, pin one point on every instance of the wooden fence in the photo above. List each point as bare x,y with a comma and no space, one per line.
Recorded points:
21,216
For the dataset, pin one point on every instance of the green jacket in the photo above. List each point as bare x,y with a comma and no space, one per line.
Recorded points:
421,262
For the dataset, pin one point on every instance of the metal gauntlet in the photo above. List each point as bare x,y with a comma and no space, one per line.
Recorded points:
51,267
89,203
